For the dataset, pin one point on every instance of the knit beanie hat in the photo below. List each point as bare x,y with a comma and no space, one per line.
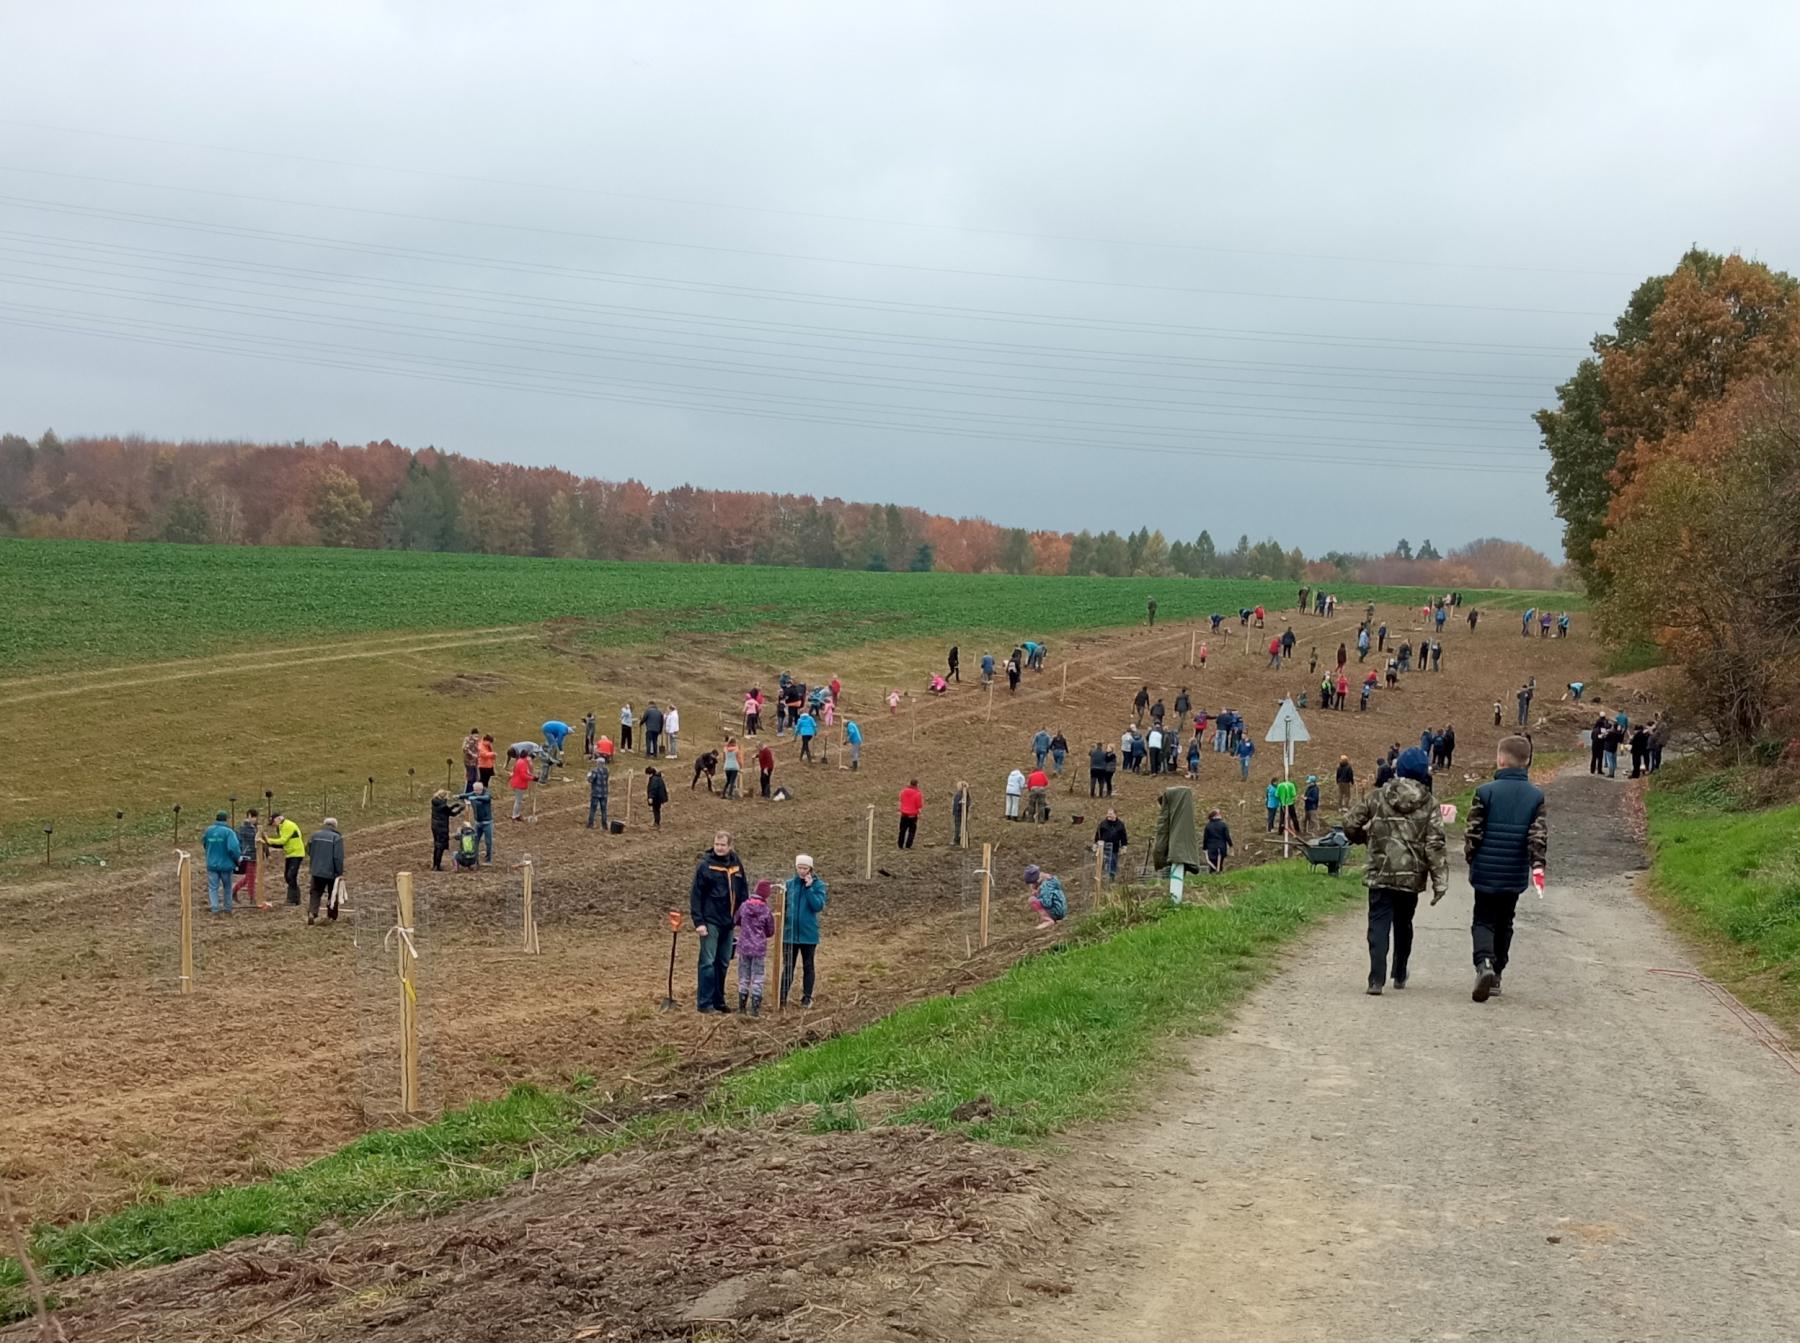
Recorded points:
1033,874
1413,765
763,890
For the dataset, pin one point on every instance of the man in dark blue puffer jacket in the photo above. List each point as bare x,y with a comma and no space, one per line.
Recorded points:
1506,843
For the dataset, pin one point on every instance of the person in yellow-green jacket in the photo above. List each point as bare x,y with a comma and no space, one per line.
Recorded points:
285,835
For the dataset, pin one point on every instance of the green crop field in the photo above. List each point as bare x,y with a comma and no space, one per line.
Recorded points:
66,604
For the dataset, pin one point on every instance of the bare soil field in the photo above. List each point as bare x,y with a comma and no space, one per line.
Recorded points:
112,1087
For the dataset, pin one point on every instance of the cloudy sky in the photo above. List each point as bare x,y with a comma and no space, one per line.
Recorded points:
1293,269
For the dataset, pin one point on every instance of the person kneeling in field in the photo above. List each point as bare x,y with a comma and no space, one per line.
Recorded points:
1046,897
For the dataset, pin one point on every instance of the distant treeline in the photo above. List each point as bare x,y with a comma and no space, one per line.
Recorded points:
382,496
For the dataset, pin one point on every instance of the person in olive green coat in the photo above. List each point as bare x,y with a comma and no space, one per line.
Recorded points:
1401,825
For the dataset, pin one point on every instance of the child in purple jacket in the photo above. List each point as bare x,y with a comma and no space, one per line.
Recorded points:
755,925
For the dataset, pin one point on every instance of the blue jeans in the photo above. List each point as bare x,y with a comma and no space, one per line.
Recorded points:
1058,757
1040,758
218,890
1609,762
715,965
1243,766
596,804
484,834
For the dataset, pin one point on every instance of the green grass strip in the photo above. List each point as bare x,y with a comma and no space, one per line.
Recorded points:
1062,1037
1733,871
1059,1038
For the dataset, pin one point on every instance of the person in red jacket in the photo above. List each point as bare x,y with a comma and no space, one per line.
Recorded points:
765,767
1275,652
912,802
1037,796
521,781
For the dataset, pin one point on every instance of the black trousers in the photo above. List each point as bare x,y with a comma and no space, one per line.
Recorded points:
806,951
1390,912
909,829
290,868
1094,779
763,777
440,845
624,736
321,888
1492,927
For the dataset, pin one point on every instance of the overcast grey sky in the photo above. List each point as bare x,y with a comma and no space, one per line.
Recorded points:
1293,269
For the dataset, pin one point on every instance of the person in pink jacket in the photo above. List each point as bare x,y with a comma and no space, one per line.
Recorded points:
755,926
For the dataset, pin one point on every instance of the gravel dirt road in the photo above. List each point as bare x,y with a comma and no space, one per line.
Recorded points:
1604,1153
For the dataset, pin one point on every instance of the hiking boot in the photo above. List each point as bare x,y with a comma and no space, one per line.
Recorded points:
1495,991
1485,979
1374,989
756,1006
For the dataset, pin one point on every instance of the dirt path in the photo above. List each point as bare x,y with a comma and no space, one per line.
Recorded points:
1605,1153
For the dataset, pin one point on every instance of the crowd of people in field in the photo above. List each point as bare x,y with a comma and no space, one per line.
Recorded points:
1165,739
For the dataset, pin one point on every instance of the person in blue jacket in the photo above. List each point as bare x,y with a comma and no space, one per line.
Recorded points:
1246,749
987,668
853,739
555,733
804,900
222,853
806,727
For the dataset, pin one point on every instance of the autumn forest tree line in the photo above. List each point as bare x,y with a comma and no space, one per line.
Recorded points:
1675,464
380,495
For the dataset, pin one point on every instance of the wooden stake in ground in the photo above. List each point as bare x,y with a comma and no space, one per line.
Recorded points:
1193,641
990,704
184,871
630,774
1099,873
406,954
1063,695
912,713
772,963
869,855
528,911
987,884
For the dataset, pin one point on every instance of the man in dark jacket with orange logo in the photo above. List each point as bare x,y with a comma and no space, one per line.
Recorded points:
719,888
1506,842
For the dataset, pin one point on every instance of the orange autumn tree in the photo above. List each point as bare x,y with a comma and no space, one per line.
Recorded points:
1702,557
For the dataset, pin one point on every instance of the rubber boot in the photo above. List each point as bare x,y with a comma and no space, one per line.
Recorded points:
756,1006
742,999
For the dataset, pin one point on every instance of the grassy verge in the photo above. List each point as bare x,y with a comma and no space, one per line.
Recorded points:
1730,873
1060,1037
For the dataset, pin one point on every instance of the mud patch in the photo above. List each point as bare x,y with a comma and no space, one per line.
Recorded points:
468,684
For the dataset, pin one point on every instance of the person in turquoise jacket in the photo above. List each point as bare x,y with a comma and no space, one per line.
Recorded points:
803,902
806,727
853,736
1272,802
222,854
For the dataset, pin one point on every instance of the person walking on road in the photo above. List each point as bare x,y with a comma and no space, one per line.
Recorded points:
912,802
802,903
325,858
1405,833
222,852
718,888
285,835
1507,844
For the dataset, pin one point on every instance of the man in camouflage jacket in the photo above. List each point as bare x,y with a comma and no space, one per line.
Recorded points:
1400,823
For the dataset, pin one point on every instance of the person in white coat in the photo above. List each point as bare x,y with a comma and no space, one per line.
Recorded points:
672,728
1015,791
